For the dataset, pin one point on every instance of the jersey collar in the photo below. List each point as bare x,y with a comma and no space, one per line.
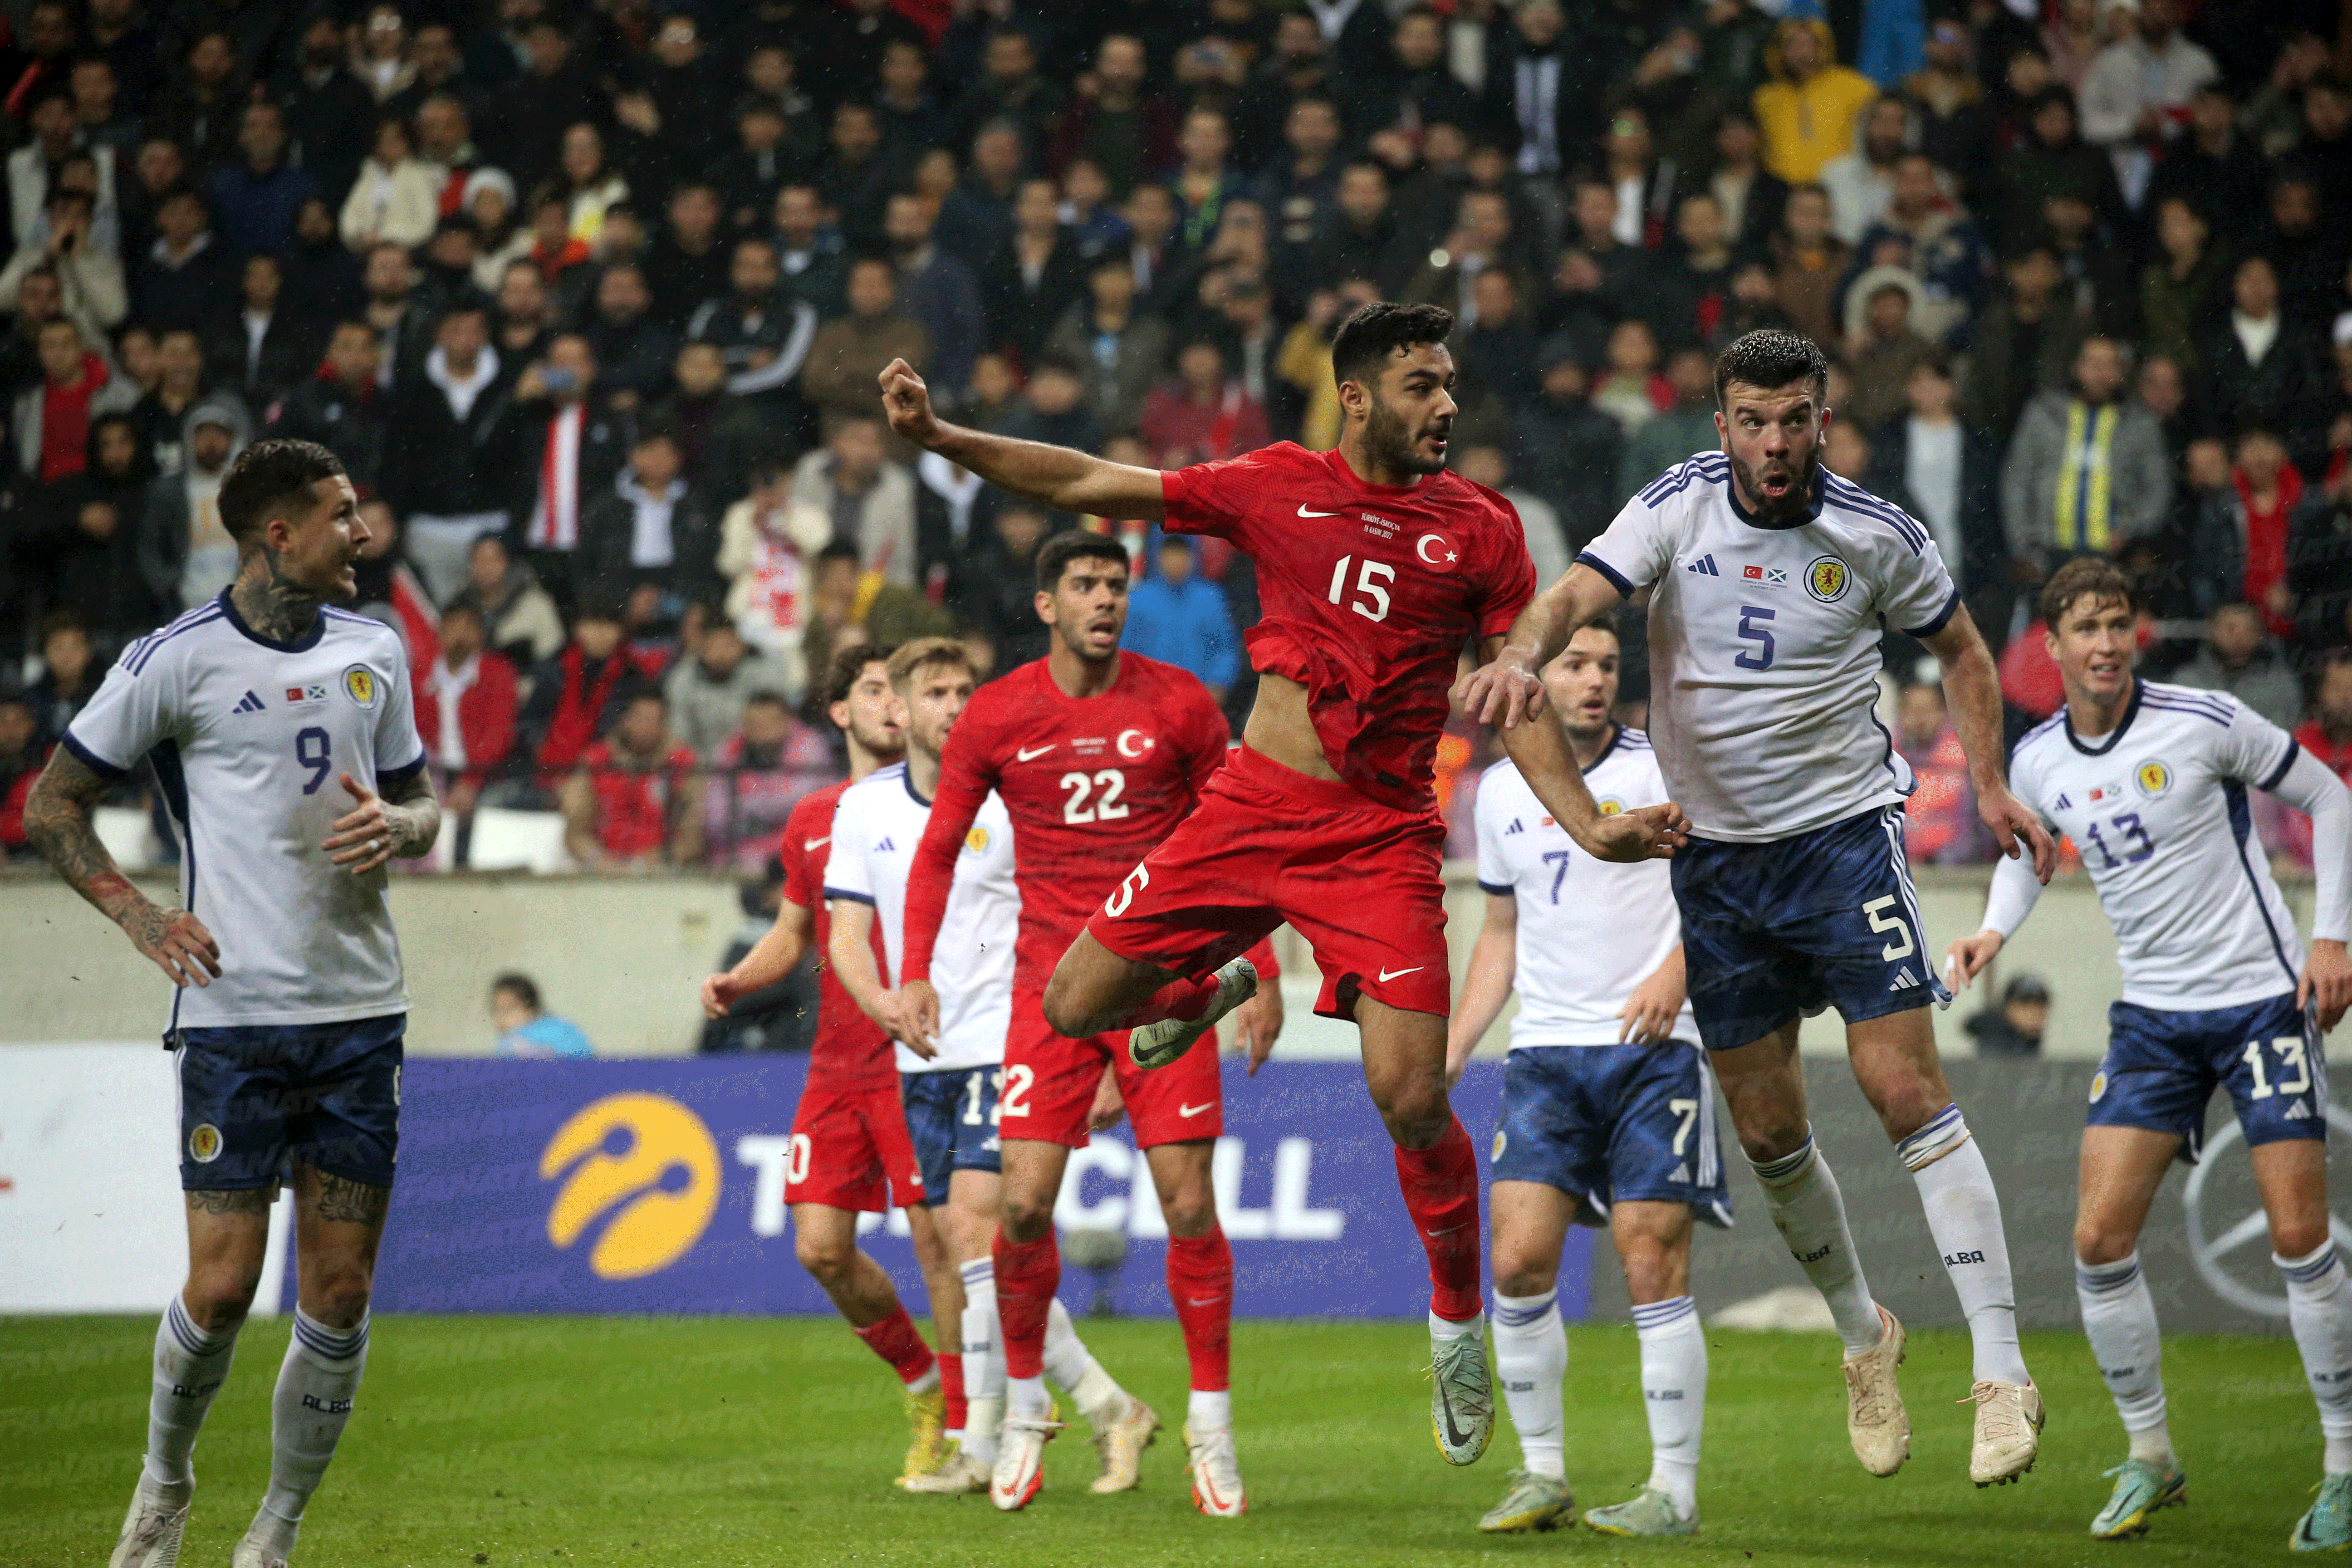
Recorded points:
1616,734
906,777
2105,743
302,644
1821,488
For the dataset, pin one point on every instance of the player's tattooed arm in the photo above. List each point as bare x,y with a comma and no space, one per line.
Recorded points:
59,823
402,823
348,1201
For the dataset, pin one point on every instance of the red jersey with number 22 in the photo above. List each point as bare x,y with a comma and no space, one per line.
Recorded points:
1093,784
851,1051
1369,593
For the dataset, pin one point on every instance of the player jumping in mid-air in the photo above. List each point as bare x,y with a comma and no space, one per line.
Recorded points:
952,1076
1771,581
281,735
1608,1115
1095,754
851,1153
2150,783
1375,567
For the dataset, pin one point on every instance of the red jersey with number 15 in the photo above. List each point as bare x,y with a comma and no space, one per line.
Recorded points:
851,1051
1093,784
1369,593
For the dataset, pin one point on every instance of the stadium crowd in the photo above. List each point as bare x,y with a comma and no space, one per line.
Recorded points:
591,299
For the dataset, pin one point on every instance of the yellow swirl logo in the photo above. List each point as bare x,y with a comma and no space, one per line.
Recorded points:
649,1163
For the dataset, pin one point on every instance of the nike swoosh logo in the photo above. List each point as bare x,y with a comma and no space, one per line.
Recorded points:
1025,753
1453,1434
1386,974
816,843
1303,512
1195,1110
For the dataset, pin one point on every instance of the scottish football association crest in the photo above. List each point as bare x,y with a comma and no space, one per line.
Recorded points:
362,686
1826,579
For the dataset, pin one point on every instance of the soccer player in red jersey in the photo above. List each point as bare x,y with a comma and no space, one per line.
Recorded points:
851,1152
1376,568
1097,754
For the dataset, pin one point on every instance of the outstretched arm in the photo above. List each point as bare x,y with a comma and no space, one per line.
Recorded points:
1972,691
57,823
1509,687
1058,476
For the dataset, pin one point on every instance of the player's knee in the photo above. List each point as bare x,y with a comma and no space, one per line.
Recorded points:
2097,1243
2300,1236
1523,1271
1415,1110
1653,1271
1772,1139
1195,1214
1026,1217
218,1296
1066,1011
823,1257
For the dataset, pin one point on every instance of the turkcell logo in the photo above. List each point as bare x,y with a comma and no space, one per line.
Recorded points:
640,1170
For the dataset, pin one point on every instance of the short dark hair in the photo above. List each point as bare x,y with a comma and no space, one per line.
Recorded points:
521,987
1367,338
1074,545
1769,358
849,663
269,476
2095,575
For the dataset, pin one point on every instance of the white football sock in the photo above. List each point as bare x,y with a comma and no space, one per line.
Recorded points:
2319,1310
1802,1197
2119,1320
1026,1396
316,1384
1096,1395
1964,1216
1447,1329
1210,1410
190,1367
1673,1391
983,1363
1530,1362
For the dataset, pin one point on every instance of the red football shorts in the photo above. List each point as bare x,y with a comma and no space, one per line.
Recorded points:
1050,1081
851,1150
1361,882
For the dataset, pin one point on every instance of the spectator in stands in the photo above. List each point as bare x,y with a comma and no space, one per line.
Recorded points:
688,261
526,1028
718,433
1861,183
1950,482
635,799
2053,161
53,417
78,547
1687,428
1202,415
845,360
177,283
2181,289
324,281
519,618
2241,658
70,674
1179,617
2214,167
1034,276
1808,262
2087,470
329,113
1629,389
1053,408
574,441
650,527
1118,346
2015,1025
404,327
467,705
765,334
185,553
1807,111
341,407
253,348
2136,96
997,593
89,283
259,194
709,689
2026,343
1565,449
1923,230
2262,363
449,450
1546,545
1941,817
757,774
856,495
2327,733
573,695
396,199
22,756
1883,345
633,351
2241,543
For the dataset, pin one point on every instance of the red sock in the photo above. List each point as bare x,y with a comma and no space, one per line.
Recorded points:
952,1387
1441,1192
1201,1282
896,1341
1185,999
1027,1275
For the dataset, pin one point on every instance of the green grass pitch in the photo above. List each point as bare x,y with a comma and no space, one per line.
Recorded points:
675,1442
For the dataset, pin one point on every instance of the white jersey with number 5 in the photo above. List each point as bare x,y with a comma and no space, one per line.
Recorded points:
1589,931
2158,809
876,830
1764,645
249,738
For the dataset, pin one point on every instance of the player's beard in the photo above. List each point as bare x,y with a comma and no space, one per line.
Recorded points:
886,746
1389,443
1799,495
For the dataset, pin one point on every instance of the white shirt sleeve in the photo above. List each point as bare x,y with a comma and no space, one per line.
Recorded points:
1920,597
846,875
2253,749
141,703
1494,872
1639,546
2310,787
2015,890
399,751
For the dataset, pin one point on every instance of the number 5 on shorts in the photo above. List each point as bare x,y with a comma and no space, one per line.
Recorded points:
1890,953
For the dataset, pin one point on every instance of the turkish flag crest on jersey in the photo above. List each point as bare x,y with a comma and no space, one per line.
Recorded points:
1438,551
